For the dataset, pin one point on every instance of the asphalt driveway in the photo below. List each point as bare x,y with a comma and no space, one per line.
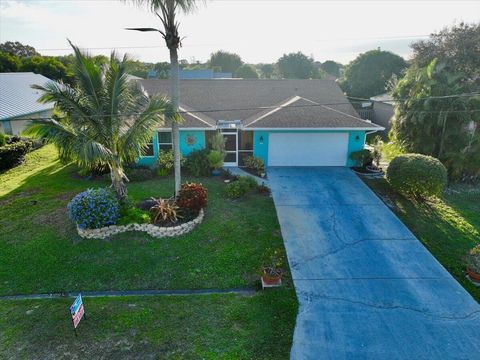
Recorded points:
368,289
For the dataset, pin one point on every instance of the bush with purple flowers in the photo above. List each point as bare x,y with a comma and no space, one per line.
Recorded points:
94,208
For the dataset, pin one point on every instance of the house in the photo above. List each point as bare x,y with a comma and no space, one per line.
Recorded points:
202,74
383,111
19,102
284,122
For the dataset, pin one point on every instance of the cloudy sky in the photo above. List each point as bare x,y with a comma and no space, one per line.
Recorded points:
258,30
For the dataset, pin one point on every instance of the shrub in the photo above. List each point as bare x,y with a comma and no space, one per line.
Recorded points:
3,139
192,197
166,162
362,158
417,175
164,211
240,187
215,159
255,163
472,259
139,173
217,142
390,150
197,163
94,208
248,182
133,215
235,190
13,154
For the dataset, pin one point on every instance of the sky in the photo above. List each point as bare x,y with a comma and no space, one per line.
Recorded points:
260,31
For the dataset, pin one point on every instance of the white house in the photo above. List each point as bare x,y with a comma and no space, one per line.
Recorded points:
19,102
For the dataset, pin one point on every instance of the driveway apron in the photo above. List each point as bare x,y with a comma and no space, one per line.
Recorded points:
368,289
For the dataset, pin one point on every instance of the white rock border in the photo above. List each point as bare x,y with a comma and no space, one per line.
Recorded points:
152,230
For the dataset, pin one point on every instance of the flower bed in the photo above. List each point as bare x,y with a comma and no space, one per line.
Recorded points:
151,229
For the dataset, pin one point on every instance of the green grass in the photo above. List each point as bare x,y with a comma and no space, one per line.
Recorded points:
176,327
447,226
41,252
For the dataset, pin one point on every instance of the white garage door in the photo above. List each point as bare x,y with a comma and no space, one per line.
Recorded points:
307,149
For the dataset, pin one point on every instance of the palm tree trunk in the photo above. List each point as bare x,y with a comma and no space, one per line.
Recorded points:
175,130
442,137
117,176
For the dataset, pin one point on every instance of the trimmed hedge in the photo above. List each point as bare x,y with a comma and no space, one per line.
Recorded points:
13,154
417,175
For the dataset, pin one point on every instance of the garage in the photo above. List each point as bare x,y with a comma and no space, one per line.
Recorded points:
307,149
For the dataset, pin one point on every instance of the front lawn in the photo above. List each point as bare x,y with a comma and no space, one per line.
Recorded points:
167,327
448,227
40,251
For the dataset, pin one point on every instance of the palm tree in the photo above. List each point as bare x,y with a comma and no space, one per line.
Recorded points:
107,120
166,11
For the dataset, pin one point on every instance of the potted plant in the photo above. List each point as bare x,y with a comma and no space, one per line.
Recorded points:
472,261
272,270
215,158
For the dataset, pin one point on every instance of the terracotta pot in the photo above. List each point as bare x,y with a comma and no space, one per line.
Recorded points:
473,276
271,280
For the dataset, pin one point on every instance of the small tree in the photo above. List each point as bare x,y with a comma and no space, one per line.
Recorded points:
297,66
246,72
369,73
107,119
226,61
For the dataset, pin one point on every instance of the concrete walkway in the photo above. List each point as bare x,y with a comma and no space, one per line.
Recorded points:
368,289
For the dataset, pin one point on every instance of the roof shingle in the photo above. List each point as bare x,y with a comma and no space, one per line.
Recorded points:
247,100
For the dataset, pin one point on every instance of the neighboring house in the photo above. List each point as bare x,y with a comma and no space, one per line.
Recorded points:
383,111
203,74
284,122
152,74
19,102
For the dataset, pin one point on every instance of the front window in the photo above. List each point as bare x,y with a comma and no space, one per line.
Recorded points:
245,146
148,149
165,140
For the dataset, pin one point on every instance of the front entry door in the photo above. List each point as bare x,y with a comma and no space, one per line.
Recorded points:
230,148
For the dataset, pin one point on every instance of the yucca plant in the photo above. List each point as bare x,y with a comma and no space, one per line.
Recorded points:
164,211
106,120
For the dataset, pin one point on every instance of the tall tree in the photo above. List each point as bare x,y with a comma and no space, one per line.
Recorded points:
107,120
8,62
297,66
246,72
459,45
331,67
47,66
267,70
369,73
226,61
167,11
430,118
18,49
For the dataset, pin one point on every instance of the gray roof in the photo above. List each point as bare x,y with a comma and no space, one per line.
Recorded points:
17,98
263,103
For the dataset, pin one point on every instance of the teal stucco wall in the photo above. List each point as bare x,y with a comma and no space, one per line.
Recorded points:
190,140
260,142
356,142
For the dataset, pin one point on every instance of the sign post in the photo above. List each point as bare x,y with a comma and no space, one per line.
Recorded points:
77,311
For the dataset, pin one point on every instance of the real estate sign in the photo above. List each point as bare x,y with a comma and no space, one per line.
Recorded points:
77,311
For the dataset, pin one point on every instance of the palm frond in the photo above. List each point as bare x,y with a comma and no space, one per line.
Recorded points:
141,129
